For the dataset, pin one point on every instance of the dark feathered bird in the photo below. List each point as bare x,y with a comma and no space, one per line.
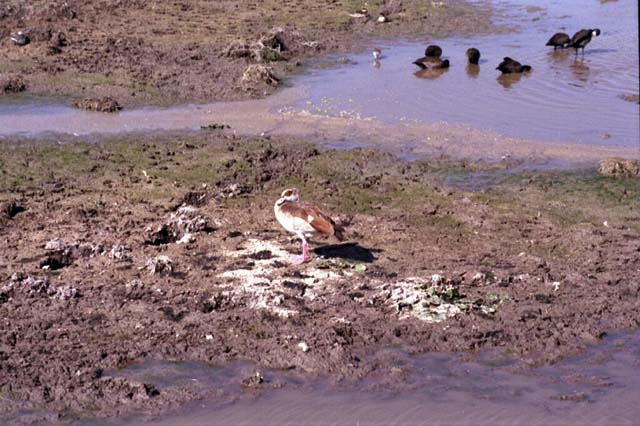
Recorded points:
431,63
473,55
582,38
509,66
560,40
433,51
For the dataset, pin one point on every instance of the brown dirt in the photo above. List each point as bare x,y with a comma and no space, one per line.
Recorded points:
142,53
166,246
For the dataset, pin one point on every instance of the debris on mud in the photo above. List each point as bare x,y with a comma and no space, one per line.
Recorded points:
256,76
40,286
120,253
253,381
105,104
9,209
619,167
185,220
12,84
160,265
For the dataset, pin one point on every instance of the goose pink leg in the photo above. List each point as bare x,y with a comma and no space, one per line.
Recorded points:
297,260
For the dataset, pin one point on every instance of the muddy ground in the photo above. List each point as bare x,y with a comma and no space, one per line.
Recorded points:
166,246
159,53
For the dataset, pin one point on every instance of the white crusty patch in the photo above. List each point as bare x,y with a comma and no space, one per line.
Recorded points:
309,218
410,294
262,287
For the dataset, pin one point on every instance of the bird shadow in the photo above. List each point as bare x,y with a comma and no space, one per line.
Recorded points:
350,251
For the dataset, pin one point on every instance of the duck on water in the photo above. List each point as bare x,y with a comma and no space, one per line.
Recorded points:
431,59
510,66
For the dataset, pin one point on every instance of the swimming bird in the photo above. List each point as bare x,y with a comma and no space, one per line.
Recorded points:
582,38
509,66
473,55
20,38
433,51
431,59
376,54
303,220
560,40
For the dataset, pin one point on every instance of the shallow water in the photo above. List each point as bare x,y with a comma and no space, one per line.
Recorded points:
462,112
565,98
601,387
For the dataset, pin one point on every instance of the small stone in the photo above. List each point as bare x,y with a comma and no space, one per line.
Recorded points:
56,245
208,337
303,346
120,253
436,279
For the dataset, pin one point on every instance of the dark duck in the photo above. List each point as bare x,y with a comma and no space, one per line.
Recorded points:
431,59
510,66
582,38
473,55
559,40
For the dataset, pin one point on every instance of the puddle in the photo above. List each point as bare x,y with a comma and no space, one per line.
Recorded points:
600,387
566,109
564,99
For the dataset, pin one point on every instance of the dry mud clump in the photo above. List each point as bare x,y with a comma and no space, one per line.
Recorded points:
12,84
105,104
619,167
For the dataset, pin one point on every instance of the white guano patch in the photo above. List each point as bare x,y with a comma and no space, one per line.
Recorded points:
410,298
262,287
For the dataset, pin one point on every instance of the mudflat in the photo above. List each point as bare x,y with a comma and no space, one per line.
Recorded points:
160,53
165,246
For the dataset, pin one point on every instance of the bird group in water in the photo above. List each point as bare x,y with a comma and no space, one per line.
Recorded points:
433,61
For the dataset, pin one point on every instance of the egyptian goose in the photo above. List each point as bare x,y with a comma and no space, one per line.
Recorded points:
582,38
560,40
303,220
509,66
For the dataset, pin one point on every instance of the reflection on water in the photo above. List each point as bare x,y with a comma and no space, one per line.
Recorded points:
473,70
508,80
431,73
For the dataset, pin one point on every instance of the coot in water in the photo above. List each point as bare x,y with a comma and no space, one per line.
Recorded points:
560,40
510,66
582,38
473,55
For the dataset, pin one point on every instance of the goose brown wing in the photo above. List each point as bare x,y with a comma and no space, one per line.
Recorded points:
318,220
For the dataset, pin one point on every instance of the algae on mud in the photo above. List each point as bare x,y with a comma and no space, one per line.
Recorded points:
551,256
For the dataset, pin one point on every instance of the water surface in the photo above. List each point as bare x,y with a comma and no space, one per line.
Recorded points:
566,98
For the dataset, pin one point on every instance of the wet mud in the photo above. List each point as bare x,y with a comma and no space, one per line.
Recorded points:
165,247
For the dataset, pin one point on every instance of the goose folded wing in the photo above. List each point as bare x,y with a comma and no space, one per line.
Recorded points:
319,221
